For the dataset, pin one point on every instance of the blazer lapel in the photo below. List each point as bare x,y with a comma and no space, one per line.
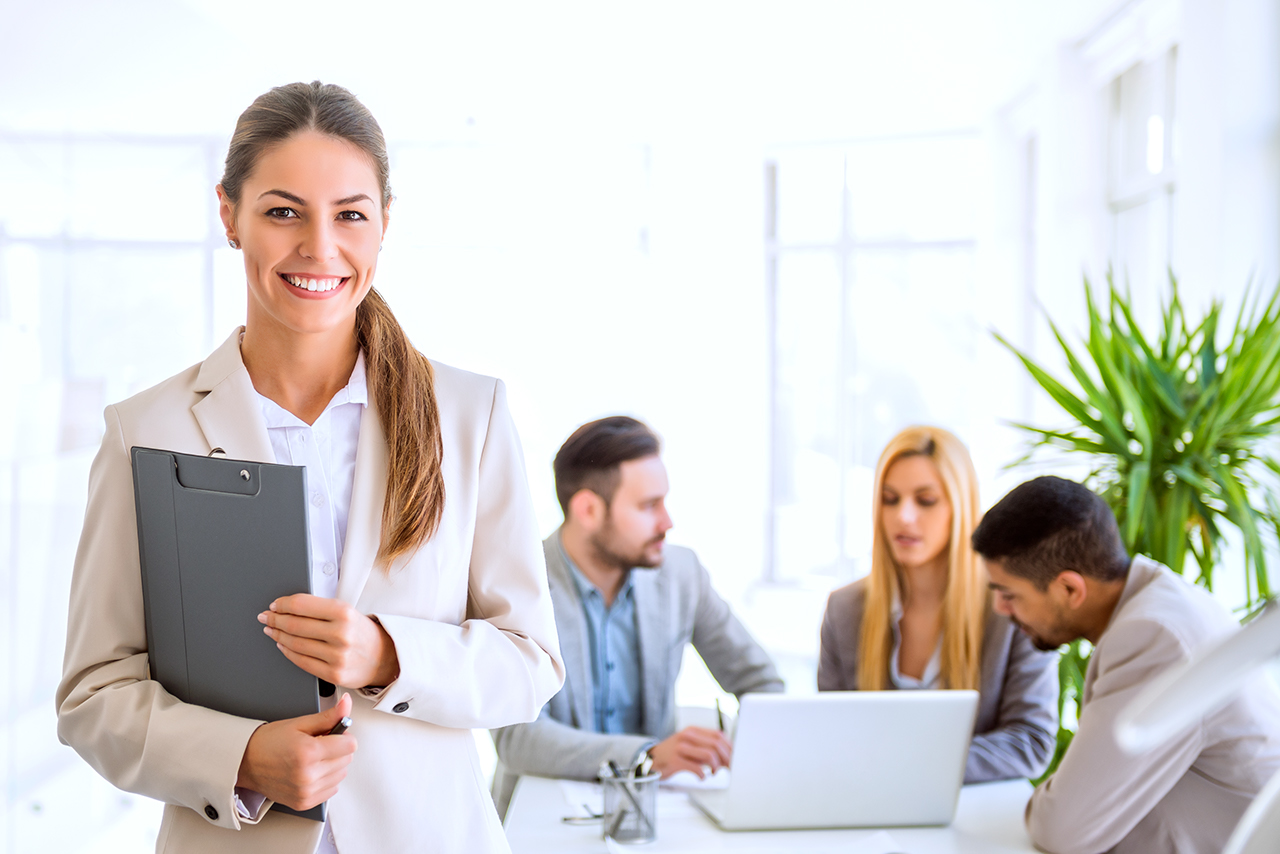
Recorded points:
652,608
572,627
364,521
230,414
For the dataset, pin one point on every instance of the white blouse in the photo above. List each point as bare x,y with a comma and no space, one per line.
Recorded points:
327,449
932,676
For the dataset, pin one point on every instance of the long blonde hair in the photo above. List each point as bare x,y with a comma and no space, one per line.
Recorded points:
965,602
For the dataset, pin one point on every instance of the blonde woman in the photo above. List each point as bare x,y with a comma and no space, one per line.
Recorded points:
923,617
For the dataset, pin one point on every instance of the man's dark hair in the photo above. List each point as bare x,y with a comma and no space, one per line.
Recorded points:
590,458
1049,525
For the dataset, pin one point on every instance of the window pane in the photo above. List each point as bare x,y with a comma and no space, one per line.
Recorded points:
810,193
136,315
806,473
915,190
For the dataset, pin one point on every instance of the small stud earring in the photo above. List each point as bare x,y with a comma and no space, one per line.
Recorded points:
379,247
233,243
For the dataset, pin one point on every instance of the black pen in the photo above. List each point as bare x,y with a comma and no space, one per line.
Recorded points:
341,726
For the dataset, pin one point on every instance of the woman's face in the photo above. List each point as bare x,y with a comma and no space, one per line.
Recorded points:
310,223
915,513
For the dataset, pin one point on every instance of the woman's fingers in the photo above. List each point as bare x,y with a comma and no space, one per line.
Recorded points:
317,667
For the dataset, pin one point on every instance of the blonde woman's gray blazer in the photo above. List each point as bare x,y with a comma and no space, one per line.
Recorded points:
1017,723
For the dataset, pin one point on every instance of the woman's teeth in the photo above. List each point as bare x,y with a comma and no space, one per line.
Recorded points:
313,284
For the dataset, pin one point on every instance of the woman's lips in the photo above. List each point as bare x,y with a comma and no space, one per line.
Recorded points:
314,287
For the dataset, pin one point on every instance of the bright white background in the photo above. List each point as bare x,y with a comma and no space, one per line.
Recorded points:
584,209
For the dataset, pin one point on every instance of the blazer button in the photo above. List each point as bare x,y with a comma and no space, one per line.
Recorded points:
211,812
398,708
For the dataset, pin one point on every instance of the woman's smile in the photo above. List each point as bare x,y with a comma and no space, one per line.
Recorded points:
310,286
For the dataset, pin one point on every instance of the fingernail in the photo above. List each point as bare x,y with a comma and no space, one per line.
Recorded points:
266,630
273,606
262,618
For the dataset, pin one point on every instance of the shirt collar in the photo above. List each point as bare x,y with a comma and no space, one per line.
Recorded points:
355,391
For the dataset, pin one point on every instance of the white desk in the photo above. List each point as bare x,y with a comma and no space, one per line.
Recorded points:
988,821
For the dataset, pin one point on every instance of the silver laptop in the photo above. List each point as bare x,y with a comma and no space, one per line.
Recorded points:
845,759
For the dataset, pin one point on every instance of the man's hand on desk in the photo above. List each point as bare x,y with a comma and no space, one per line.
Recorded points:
693,748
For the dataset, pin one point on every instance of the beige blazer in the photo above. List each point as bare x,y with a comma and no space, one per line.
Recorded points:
1181,797
469,612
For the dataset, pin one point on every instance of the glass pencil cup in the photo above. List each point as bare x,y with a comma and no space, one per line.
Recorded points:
630,808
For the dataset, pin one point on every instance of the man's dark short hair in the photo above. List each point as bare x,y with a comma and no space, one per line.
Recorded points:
590,458
1048,526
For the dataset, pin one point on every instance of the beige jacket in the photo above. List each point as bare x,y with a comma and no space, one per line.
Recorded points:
1185,796
470,615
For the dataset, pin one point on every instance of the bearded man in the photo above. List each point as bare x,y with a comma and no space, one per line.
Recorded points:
1060,571
626,605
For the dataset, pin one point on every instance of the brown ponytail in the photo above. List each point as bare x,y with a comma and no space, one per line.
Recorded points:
400,379
402,386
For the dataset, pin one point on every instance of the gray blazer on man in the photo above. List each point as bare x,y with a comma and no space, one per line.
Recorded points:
1017,723
675,606
1184,796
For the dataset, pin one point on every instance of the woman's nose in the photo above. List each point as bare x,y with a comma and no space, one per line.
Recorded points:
318,242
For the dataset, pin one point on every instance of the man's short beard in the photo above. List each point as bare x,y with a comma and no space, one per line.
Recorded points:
1037,641
604,545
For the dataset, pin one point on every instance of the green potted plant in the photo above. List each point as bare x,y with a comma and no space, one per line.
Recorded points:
1178,428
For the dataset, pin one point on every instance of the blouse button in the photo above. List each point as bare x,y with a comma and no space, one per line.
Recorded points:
211,812
398,708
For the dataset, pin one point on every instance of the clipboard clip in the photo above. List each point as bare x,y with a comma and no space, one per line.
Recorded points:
216,451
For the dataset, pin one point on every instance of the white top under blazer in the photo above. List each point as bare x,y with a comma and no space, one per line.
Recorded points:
469,613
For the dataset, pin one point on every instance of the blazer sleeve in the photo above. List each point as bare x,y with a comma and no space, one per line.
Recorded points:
1099,793
1022,741
549,748
503,663
738,663
831,670
124,724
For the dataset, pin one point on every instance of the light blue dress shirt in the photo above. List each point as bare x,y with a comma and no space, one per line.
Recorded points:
615,655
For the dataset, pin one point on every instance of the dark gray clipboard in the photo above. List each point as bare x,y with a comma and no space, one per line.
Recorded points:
218,540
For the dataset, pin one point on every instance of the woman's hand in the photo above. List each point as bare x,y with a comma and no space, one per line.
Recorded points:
332,640
296,762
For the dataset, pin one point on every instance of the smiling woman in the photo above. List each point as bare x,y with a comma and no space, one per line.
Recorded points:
405,586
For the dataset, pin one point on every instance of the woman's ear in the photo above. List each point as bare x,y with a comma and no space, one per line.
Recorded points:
227,213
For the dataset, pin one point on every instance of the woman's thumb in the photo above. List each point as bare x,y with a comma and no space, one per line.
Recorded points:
325,720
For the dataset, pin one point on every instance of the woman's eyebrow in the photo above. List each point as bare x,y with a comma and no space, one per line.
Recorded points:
358,197
285,195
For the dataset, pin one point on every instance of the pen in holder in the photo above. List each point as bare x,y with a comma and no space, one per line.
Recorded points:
630,805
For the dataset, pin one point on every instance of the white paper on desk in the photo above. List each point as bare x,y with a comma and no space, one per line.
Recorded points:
584,799
689,781
879,842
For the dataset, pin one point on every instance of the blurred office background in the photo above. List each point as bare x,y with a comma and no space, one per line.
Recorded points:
777,231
